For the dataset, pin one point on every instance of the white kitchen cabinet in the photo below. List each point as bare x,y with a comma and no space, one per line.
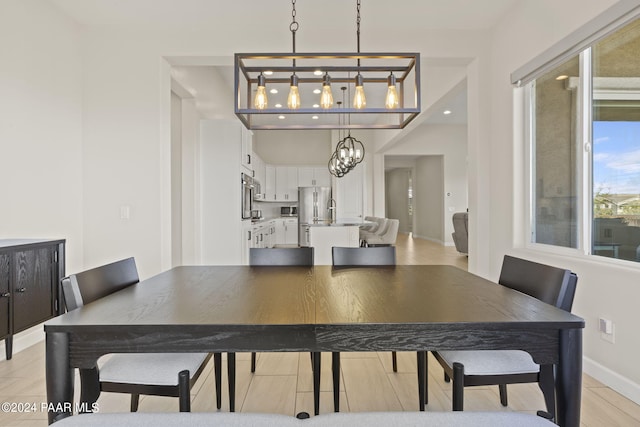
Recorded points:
246,137
349,194
246,241
286,183
269,183
259,173
309,176
291,231
286,231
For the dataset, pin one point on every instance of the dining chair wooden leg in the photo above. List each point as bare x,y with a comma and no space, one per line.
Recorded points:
231,374
394,361
503,394
426,378
253,362
184,394
335,368
217,370
90,387
458,386
316,383
421,378
546,383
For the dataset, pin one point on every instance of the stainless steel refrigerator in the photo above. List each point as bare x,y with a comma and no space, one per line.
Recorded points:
314,206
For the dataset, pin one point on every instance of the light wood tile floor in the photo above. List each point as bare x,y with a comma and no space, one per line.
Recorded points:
282,382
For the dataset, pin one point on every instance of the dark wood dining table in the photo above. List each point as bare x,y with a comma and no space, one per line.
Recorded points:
314,309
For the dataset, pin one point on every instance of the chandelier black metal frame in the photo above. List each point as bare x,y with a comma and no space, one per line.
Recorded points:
395,74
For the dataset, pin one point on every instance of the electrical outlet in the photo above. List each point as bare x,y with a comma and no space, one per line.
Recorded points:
607,329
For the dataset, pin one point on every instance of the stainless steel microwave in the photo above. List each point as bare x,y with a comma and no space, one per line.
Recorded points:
288,211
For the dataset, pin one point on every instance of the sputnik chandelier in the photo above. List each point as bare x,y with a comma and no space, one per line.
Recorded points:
386,87
348,154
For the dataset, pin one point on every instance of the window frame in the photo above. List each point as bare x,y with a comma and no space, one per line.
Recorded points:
584,136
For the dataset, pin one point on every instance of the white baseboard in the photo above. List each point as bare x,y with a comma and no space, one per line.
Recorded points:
431,239
23,340
612,379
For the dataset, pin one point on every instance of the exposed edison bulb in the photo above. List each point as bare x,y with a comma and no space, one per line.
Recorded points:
359,100
326,99
293,101
260,101
392,100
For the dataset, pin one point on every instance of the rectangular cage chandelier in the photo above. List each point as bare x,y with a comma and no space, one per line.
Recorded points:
379,74
294,90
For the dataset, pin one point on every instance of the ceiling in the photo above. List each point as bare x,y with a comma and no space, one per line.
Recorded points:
202,15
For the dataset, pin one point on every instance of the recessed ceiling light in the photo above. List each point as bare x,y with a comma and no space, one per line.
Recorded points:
446,112
268,73
274,91
316,105
281,117
318,73
317,91
314,117
278,105
562,77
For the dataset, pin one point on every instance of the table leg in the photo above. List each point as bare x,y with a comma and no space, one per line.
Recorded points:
422,378
569,378
59,376
231,376
316,383
335,368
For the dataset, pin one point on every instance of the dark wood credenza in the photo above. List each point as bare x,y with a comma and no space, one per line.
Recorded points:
30,273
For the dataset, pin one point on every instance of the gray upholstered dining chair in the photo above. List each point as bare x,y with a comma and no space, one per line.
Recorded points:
347,257
160,374
555,286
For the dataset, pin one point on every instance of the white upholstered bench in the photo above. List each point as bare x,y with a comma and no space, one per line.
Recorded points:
340,419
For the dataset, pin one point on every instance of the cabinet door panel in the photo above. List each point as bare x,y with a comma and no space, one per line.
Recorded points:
305,177
33,288
4,300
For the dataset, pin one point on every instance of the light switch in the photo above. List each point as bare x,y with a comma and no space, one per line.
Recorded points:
125,212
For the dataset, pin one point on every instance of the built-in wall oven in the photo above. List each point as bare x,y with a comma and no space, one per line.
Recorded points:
248,189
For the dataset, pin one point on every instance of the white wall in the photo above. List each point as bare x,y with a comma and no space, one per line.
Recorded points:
450,141
429,198
293,147
605,287
396,190
41,132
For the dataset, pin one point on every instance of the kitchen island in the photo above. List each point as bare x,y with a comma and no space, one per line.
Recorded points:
323,235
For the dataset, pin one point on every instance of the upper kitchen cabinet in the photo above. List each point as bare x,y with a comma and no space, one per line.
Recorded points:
246,137
314,176
260,174
269,184
286,183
